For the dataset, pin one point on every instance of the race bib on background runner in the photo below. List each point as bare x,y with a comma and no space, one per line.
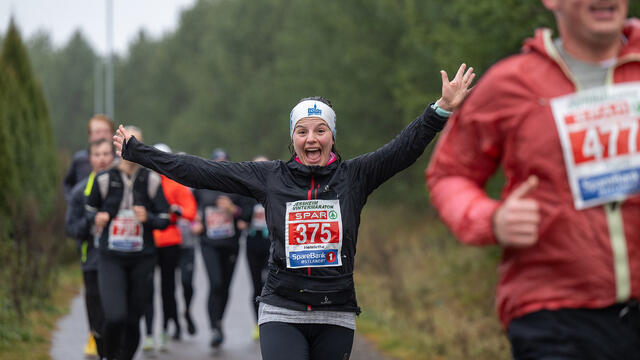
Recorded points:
219,223
125,232
598,130
313,233
258,220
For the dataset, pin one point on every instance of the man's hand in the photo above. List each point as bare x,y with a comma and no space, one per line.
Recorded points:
196,226
515,223
242,225
176,210
101,220
141,213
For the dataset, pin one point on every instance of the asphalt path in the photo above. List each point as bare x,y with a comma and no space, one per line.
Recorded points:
70,337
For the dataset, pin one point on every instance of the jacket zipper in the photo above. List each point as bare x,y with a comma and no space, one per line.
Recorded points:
309,198
613,214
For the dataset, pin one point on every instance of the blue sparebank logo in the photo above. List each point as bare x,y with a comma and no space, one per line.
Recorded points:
314,111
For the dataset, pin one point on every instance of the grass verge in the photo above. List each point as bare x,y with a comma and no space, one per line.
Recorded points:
423,295
30,339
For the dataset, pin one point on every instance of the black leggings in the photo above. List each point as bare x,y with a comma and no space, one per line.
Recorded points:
186,264
284,341
95,314
577,334
220,263
125,288
168,257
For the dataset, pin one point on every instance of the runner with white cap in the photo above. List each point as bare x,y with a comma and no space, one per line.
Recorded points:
313,203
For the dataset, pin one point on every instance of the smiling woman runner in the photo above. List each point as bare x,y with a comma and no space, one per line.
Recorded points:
313,204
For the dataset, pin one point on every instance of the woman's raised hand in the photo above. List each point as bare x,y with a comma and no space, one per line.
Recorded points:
454,91
121,135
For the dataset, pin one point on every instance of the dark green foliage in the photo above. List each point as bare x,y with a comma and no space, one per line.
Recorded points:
30,202
27,124
67,75
634,8
9,181
230,73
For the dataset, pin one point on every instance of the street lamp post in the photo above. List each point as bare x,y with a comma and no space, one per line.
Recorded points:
109,68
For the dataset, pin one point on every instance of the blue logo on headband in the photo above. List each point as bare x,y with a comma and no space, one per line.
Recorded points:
314,111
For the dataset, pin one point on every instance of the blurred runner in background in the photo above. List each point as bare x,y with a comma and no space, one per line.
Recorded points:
182,205
79,227
224,216
190,232
126,204
99,127
257,251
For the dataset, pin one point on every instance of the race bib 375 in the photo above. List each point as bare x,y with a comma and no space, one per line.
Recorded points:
313,233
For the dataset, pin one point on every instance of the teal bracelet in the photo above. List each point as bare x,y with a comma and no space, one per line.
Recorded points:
440,111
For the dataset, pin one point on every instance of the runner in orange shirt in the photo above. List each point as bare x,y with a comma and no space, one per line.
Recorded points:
182,205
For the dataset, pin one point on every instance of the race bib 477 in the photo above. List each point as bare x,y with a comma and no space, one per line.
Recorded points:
598,130
313,234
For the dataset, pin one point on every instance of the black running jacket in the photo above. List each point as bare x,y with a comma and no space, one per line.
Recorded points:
274,184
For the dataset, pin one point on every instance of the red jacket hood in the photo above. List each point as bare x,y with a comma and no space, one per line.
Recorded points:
631,31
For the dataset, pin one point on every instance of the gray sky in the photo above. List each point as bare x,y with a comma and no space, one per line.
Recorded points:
61,17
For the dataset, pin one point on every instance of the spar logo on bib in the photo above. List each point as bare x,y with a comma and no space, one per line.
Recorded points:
598,130
313,233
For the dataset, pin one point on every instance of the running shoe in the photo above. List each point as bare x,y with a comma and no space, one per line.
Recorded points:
255,334
91,350
216,337
164,342
177,333
191,327
148,344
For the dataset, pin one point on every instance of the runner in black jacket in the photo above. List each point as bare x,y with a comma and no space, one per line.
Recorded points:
126,204
79,227
313,204
221,216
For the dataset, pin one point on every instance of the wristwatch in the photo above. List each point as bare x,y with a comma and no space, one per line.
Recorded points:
440,111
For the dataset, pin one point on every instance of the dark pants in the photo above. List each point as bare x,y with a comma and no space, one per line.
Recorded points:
186,265
168,257
577,334
285,341
257,257
220,263
95,314
125,287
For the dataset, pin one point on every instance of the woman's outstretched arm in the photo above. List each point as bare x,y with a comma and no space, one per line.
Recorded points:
244,178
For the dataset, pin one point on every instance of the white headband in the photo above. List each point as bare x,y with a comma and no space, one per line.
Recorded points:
312,108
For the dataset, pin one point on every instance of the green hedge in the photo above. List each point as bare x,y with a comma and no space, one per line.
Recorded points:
31,207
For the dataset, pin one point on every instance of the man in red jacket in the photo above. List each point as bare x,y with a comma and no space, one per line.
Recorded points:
562,120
